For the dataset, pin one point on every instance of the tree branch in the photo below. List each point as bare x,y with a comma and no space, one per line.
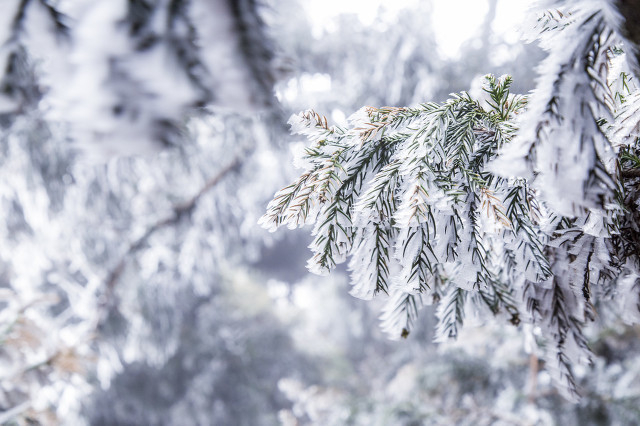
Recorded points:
633,173
11,413
179,211
534,367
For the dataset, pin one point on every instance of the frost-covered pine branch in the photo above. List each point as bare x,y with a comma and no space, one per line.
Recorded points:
125,75
419,200
571,98
533,210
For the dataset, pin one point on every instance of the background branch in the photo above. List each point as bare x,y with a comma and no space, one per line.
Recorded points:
178,212
634,173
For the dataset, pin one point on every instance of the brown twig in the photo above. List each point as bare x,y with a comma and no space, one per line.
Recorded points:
533,377
178,212
633,173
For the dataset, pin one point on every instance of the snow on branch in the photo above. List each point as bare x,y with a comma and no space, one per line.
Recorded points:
561,148
406,193
125,75
430,210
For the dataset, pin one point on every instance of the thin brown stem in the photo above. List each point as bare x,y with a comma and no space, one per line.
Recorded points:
178,212
633,173
533,377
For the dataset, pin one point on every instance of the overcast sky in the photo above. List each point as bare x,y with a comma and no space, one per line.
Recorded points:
454,21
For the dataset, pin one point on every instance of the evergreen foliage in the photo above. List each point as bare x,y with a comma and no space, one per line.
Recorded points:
520,207
124,292
100,262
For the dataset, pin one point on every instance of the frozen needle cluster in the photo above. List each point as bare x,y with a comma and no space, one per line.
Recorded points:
523,208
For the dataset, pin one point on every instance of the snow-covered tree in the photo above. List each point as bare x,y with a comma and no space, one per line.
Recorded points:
102,257
126,290
524,207
125,74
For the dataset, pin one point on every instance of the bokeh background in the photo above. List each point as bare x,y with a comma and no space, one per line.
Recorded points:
119,309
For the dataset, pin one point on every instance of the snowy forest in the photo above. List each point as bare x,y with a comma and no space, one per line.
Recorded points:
460,181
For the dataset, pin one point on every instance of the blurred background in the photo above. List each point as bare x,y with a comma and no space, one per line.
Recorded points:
119,308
